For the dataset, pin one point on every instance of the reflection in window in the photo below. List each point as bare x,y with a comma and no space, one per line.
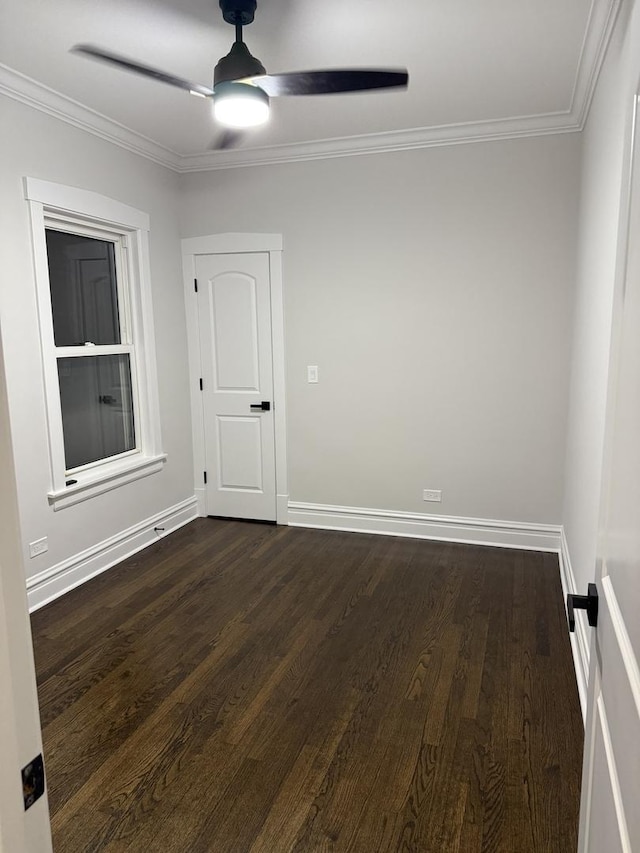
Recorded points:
84,289
97,408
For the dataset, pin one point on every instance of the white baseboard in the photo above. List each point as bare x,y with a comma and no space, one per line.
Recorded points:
579,638
63,577
472,531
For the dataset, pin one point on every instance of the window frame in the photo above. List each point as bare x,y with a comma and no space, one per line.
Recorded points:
126,334
52,205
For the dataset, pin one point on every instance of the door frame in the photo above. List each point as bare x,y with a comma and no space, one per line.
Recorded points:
20,730
228,244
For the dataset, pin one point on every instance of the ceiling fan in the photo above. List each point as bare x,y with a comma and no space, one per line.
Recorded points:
241,85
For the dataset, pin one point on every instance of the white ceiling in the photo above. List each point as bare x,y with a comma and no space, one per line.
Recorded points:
477,69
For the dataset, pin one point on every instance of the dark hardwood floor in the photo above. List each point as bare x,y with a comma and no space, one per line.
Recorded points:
240,687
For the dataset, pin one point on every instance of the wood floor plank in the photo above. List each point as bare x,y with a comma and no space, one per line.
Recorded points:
241,688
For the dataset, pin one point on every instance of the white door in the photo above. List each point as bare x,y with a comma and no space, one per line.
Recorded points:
234,315
610,809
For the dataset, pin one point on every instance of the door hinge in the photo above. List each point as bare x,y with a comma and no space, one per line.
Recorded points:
195,284
205,478
201,384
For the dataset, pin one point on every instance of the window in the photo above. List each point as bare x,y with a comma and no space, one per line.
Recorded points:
94,345
91,264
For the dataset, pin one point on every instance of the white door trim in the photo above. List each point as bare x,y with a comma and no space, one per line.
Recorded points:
20,734
225,244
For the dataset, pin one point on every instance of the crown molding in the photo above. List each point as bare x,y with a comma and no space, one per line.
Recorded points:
376,143
602,18
27,91
600,24
40,97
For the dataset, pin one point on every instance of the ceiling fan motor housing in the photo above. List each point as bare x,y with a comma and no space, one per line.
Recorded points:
237,65
238,11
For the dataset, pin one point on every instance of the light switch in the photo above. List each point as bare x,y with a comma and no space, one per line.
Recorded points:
312,373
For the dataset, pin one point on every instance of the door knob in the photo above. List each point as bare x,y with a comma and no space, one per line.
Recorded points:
264,406
587,602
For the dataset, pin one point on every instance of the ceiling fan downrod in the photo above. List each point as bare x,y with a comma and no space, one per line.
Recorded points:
238,63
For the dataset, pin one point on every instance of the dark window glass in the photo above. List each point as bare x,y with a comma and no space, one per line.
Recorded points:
97,407
84,292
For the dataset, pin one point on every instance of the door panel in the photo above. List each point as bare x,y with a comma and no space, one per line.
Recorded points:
234,311
239,452
610,812
605,820
235,326
616,661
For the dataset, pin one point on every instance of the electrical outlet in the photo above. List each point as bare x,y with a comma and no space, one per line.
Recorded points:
432,495
38,547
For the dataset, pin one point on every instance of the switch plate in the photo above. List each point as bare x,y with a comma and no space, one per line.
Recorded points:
38,547
432,495
312,373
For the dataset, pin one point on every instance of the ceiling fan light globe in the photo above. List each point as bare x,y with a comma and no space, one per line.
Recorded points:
240,105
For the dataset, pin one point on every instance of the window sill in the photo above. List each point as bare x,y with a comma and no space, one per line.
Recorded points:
109,477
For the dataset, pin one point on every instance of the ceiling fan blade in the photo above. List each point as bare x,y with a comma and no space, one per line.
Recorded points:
330,81
138,68
227,139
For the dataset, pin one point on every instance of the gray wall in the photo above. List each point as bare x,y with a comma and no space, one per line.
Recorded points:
42,147
433,289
